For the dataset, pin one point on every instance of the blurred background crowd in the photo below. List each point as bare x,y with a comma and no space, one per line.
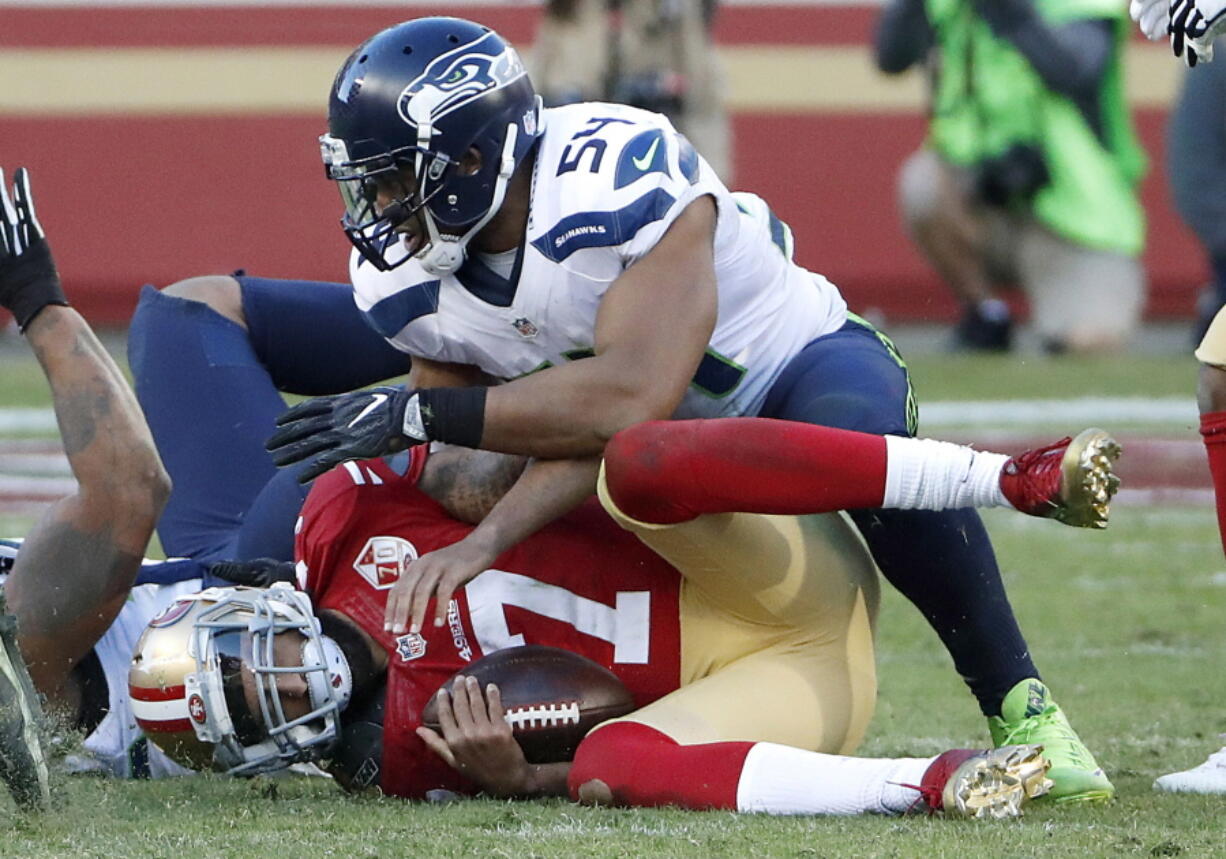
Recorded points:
996,166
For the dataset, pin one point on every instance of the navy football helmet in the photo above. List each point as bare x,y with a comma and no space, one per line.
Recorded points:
412,101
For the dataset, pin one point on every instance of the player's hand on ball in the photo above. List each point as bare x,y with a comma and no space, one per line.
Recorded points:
343,427
476,740
434,575
28,279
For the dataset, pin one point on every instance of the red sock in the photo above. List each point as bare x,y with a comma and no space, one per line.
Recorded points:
672,471
631,764
1213,430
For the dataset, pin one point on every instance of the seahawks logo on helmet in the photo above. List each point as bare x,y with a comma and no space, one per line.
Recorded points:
458,77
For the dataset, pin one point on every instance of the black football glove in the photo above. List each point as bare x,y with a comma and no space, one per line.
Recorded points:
256,573
28,279
335,429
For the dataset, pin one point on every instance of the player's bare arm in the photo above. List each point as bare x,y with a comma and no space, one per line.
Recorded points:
467,483
80,560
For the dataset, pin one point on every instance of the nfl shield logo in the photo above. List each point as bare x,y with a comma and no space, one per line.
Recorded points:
410,647
526,328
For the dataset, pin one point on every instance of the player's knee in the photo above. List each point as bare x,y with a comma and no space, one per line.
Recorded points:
634,466
860,413
222,293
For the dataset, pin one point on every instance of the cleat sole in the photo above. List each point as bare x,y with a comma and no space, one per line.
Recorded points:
1088,480
1088,797
998,783
23,764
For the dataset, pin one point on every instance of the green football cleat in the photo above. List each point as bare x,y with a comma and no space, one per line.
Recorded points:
1029,715
23,767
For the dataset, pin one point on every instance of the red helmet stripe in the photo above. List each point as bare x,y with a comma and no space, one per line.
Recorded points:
166,726
167,693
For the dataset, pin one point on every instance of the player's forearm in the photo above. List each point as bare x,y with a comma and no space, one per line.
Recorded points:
105,437
79,561
469,483
573,411
546,490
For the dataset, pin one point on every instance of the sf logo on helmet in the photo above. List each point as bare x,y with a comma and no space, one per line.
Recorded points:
458,77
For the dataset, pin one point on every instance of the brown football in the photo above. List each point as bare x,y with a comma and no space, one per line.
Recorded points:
552,697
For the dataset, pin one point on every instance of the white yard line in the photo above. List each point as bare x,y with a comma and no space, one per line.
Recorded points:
36,488
27,420
51,463
1142,411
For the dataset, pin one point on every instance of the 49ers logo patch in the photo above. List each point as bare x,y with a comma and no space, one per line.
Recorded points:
172,613
195,708
383,560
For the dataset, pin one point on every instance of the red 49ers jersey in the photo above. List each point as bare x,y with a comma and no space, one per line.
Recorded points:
581,583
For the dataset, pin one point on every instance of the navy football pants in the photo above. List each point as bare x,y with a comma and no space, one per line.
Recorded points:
209,391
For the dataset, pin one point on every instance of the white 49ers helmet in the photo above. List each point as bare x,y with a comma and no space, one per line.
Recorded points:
198,662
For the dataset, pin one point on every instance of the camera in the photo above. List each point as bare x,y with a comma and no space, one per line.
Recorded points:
1014,176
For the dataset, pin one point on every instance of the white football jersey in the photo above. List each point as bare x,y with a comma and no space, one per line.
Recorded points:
608,182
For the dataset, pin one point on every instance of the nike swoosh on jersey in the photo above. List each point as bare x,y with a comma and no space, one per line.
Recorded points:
645,162
379,399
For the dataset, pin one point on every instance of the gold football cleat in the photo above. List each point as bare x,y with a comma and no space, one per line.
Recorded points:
995,784
1071,481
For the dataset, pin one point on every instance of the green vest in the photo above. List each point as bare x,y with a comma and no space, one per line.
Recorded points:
988,97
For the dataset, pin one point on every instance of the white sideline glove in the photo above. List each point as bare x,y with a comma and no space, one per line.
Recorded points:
1194,24
1152,15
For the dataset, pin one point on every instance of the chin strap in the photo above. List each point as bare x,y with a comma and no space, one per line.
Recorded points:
442,255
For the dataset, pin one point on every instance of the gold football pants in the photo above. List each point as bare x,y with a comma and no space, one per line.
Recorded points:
776,629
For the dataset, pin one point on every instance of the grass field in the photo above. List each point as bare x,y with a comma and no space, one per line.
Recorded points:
1128,626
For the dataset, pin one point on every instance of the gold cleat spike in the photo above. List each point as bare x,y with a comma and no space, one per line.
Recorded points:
997,783
1088,480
